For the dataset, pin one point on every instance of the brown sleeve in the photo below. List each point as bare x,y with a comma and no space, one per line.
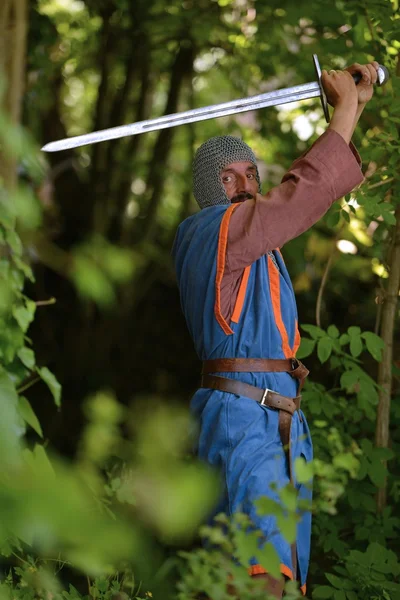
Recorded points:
326,172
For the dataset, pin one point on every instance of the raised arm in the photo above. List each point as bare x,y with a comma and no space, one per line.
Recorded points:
326,172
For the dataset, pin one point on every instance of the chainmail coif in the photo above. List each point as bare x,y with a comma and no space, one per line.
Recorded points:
211,158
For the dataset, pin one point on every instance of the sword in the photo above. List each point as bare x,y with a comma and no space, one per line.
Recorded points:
282,96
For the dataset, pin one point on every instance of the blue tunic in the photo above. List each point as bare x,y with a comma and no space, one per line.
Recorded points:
237,435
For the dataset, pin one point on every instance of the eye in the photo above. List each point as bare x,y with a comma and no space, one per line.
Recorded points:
250,176
227,178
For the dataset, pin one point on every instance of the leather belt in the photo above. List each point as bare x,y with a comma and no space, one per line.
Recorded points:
265,397
293,366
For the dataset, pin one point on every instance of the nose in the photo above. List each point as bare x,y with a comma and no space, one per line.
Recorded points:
243,184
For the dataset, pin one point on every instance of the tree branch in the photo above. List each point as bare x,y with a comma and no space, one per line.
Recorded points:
325,278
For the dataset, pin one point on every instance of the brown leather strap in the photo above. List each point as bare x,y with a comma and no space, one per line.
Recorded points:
249,365
265,397
293,366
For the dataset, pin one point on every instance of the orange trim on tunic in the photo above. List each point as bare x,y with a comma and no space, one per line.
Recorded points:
297,339
275,289
241,295
259,570
221,259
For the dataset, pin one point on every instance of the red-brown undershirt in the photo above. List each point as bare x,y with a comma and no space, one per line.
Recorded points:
326,172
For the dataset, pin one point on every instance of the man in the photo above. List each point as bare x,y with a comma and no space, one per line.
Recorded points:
240,308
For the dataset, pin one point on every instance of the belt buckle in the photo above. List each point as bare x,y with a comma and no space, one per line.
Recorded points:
264,396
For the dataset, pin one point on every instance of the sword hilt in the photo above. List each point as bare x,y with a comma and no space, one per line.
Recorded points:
383,76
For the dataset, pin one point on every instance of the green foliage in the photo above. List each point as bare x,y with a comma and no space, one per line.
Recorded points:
37,578
365,575
98,267
213,572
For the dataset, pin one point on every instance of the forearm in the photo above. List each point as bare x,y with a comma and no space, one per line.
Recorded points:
360,109
344,120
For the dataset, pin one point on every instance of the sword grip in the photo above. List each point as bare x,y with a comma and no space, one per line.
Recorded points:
383,76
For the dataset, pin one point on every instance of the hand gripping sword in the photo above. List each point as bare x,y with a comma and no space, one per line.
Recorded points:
283,96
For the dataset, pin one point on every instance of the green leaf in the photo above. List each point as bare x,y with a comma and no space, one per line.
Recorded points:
375,344
333,218
324,348
383,453
377,473
27,413
52,383
303,470
305,349
11,424
334,580
356,345
314,331
269,559
345,215
267,506
247,545
321,592
388,217
28,209
101,584
354,331
349,379
27,357
24,315
287,525
288,496
333,331
348,461
92,282
14,241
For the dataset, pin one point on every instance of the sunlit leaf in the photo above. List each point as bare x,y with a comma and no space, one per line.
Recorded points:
303,470
27,413
269,559
52,383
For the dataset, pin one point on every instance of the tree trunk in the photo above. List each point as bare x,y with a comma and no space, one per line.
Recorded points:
13,29
385,367
387,332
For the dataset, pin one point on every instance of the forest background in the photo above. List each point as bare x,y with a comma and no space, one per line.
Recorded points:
99,493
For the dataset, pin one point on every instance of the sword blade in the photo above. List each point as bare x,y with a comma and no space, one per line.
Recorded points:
282,96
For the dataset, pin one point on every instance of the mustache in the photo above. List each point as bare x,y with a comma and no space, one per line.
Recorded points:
241,197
